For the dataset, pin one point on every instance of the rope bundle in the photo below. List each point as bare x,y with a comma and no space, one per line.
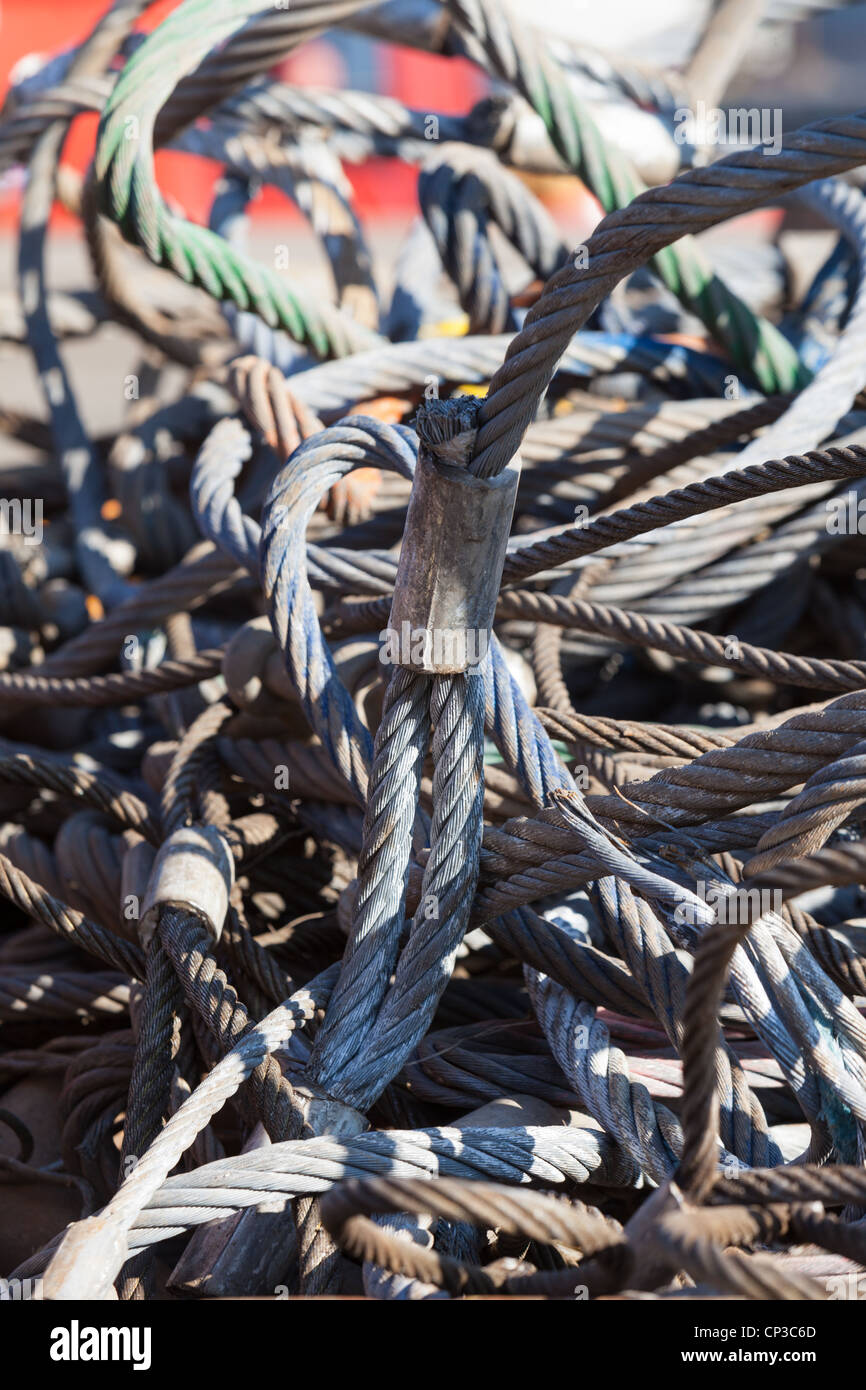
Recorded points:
535,974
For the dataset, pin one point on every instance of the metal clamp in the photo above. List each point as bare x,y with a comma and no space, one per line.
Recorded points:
454,542
194,870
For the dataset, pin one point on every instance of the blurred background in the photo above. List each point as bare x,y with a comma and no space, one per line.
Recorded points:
806,58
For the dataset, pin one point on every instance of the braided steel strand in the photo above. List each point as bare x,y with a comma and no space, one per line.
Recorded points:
155,1055
85,868
312,176
89,857
831,948
548,1155
706,440
382,121
646,946
634,930
262,43
372,114
259,40
37,997
129,196
209,991
181,787
79,462
525,747
815,1037
318,1257
395,368
665,561
570,824
755,480
356,123
32,857
522,845
633,626
217,511
254,762
566,871
522,58
758,766
268,403
682,1235
768,762
346,1210
94,1088
22,127
634,521
699,1159
740,573
550,684
68,923
783,1023
831,1037
256,963
102,788
447,889
199,339
204,573
461,189
841,1237
318,1267
580,1042
830,796
293,498
758,564
580,967
668,740
825,400
227,448
623,241
689,643
715,952
450,1069
109,1228
455,208
120,688
377,921
264,102
667,573
832,1185
841,864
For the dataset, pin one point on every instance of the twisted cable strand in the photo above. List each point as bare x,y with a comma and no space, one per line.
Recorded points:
829,797
128,193
519,56
693,201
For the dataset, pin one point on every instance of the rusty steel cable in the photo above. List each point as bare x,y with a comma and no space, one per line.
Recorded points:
353,957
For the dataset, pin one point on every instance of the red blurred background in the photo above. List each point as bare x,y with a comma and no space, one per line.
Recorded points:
384,188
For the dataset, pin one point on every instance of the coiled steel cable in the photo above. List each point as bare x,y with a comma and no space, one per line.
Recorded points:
596,845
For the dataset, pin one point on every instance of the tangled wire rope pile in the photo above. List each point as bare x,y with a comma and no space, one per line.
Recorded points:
433,747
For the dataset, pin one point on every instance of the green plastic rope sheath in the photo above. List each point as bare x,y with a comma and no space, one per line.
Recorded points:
128,193
520,57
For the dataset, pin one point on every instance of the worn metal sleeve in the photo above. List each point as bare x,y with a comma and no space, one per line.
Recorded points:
194,869
457,528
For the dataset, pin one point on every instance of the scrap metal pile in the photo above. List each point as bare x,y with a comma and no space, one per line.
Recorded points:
358,949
